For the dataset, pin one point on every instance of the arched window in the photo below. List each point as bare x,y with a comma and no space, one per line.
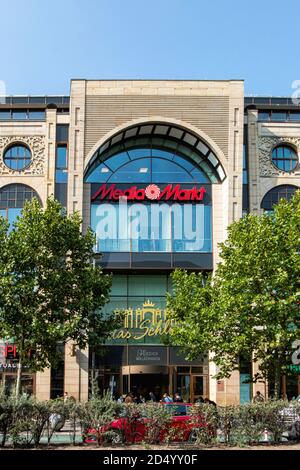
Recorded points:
274,195
147,165
13,198
17,157
285,158
156,151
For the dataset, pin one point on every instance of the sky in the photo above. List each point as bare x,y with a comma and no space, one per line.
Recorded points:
44,44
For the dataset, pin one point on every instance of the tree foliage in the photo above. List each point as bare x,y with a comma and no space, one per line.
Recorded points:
50,291
251,306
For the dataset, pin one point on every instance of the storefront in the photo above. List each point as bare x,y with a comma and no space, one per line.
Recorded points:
151,210
9,368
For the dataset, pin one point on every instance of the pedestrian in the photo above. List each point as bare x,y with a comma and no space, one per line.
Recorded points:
178,398
166,398
152,397
199,401
128,399
259,398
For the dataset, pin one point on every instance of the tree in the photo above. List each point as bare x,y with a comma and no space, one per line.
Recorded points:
251,306
50,291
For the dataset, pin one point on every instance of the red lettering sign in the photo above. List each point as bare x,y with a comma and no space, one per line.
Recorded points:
151,192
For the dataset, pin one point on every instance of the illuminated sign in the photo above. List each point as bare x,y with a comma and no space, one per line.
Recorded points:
146,321
152,193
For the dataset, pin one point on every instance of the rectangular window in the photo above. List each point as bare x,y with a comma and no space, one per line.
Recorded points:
62,133
37,115
61,173
5,115
20,115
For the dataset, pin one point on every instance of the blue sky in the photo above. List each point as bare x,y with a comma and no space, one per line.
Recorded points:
45,44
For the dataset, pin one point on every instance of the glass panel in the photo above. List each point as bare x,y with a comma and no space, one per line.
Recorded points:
62,133
119,285
61,157
278,116
137,170
12,216
37,115
61,176
139,153
294,116
5,115
198,386
118,160
21,115
183,387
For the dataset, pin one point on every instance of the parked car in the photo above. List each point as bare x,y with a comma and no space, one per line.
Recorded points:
183,426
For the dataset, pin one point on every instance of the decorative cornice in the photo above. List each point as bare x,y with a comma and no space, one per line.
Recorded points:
265,146
36,143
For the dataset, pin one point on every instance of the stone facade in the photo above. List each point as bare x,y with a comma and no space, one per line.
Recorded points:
99,109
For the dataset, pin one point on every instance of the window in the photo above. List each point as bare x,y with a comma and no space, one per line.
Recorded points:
61,173
147,165
12,200
17,157
274,195
285,158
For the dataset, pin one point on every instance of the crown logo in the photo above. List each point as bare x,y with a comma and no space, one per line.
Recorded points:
148,304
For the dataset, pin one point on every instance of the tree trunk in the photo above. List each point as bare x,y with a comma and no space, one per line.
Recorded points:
19,375
283,387
277,373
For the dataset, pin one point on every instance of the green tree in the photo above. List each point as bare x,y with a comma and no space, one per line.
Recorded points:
251,306
50,291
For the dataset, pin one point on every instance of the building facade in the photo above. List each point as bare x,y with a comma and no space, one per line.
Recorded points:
158,169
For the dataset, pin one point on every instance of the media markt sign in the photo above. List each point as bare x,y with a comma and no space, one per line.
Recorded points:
142,322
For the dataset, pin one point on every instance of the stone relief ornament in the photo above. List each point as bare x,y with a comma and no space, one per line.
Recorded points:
36,144
265,146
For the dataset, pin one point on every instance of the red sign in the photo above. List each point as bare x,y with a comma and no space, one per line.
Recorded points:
7,350
151,192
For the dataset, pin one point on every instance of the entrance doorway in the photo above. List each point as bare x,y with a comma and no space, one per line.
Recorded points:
142,384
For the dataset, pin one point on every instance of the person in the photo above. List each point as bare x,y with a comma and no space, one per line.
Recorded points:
178,398
121,399
207,401
128,399
259,398
166,398
152,397
199,401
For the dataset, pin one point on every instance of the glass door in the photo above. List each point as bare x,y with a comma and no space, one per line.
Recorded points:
199,387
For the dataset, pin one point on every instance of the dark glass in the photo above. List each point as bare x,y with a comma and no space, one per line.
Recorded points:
15,195
37,99
62,133
278,116
284,158
20,99
17,157
263,115
61,193
274,195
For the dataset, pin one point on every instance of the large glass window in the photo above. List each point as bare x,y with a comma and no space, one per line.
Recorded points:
147,165
285,158
274,195
132,292
17,157
152,227
12,200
